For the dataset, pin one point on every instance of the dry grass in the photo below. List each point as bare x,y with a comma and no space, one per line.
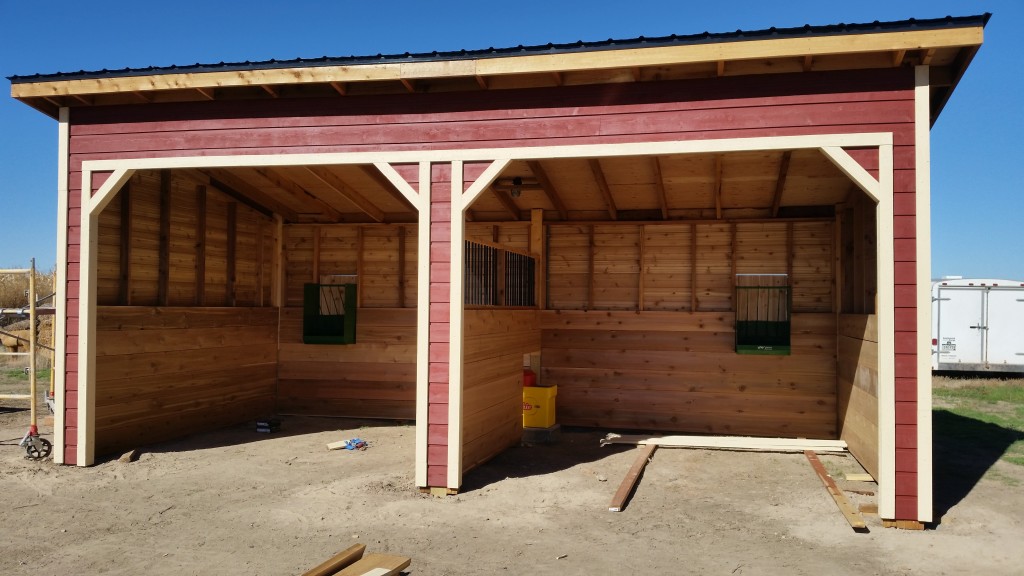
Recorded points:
14,287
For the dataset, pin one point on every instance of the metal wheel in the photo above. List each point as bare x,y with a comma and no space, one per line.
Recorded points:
38,448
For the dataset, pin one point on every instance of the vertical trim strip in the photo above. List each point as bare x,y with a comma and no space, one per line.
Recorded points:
421,201
922,172
886,314
86,328
60,287
455,363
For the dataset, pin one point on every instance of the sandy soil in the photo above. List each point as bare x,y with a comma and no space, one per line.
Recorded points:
238,502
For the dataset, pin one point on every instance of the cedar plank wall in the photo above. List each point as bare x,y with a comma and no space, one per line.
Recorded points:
165,372
771,105
376,376
492,397
858,387
660,367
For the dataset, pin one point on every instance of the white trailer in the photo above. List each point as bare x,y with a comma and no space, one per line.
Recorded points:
978,325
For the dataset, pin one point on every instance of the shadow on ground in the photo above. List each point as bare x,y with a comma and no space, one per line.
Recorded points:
574,446
964,449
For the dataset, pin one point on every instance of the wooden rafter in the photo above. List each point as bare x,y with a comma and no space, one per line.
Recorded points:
83,99
897,57
507,203
780,182
926,59
637,73
230,184
720,67
53,101
558,78
718,187
659,186
335,183
271,177
142,96
808,63
386,184
549,188
206,93
481,82
272,90
410,85
339,87
602,185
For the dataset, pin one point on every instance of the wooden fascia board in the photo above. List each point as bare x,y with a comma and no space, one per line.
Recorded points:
628,58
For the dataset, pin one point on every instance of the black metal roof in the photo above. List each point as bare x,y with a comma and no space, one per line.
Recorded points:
580,46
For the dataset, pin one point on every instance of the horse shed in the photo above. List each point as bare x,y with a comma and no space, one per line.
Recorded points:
389,236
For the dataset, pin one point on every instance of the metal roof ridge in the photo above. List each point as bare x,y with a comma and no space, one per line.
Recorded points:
520,50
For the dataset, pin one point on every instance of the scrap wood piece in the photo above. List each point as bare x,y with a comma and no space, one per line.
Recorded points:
626,488
729,443
338,561
377,565
860,477
851,514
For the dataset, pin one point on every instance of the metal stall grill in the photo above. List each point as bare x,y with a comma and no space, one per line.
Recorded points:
763,303
498,277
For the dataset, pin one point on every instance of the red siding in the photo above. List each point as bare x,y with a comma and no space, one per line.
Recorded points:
736,107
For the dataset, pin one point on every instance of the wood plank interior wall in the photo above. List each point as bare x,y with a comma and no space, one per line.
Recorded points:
857,387
685,266
162,242
678,371
376,376
494,344
165,372
858,255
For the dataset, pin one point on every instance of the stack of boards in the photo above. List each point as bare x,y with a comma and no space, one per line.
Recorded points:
351,562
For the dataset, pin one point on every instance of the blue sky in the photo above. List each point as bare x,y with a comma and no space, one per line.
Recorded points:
977,182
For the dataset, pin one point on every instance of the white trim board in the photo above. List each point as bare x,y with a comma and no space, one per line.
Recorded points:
60,289
729,443
922,172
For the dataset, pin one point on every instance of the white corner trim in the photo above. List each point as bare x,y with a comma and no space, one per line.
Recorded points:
422,323
107,191
398,182
455,340
486,179
861,177
886,316
60,287
922,172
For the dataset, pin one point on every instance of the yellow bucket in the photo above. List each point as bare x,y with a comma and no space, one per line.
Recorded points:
539,406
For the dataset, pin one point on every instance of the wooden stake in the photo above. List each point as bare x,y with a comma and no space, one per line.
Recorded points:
852,516
629,482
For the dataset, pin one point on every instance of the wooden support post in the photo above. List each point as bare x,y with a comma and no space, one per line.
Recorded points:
360,248
259,261
789,252
640,276
659,185
316,255
125,287
718,187
277,264
732,251
232,249
849,512
537,249
590,267
164,264
859,231
401,267
693,268
645,453
200,296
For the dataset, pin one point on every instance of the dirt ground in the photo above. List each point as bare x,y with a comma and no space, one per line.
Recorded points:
238,502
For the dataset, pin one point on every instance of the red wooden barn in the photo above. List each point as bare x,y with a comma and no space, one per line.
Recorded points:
718,233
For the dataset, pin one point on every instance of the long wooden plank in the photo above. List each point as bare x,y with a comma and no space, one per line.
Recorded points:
632,477
340,560
728,442
377,565
849,512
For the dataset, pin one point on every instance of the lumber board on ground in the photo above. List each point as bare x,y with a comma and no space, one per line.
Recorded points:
644,455
849,512
340,560
377,565
728,442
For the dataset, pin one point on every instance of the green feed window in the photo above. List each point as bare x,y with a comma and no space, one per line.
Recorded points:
329,314
763,303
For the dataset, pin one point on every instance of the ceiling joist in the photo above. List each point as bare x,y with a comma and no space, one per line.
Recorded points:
335,183
780,182
718,187
549,188
602,185
507,203
659,186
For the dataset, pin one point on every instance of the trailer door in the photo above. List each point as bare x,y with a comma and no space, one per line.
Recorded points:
961,327
1005,321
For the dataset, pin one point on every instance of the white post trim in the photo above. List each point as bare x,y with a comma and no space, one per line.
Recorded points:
455,341
886,317
422,319
922,172
842,159
414,198
489,175
92,205
60,287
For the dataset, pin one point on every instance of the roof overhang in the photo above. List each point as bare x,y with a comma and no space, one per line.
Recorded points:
947,45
